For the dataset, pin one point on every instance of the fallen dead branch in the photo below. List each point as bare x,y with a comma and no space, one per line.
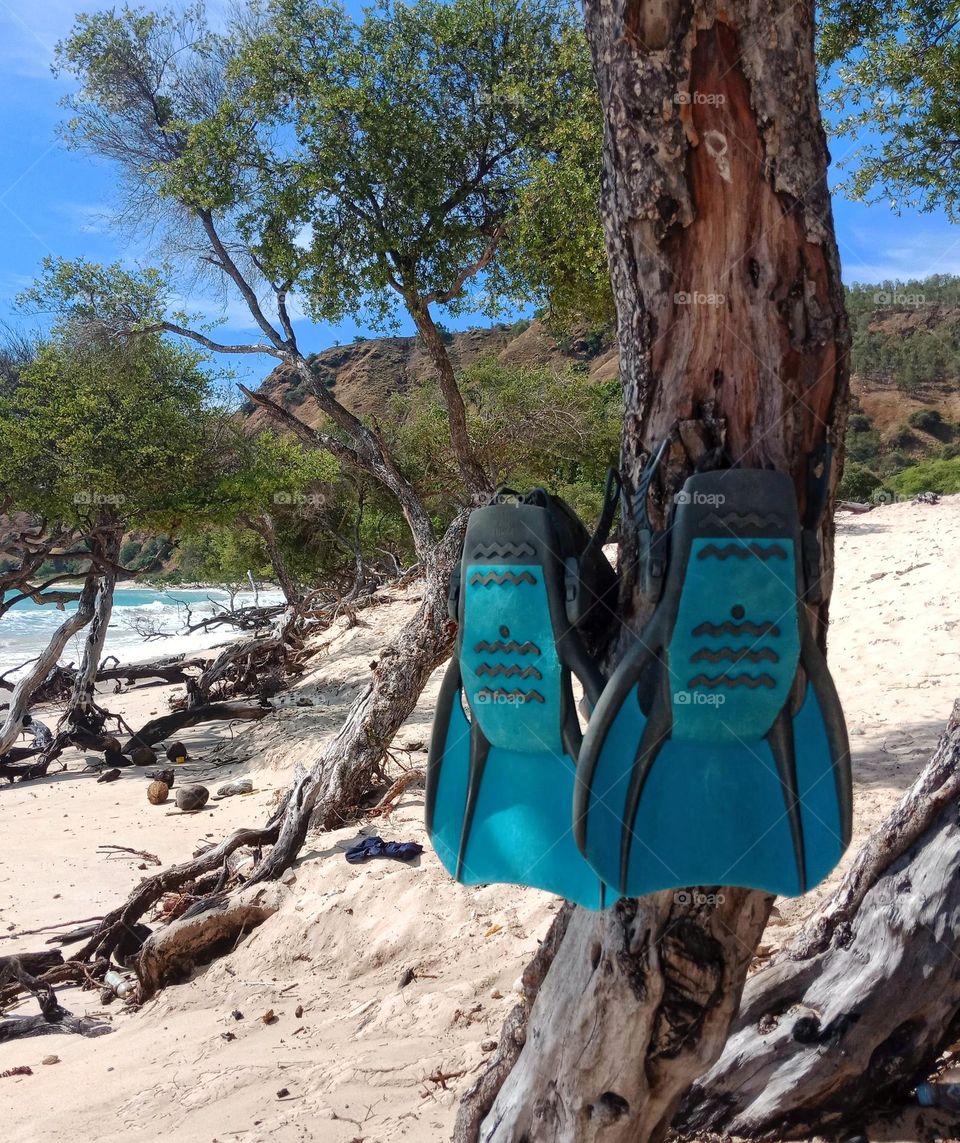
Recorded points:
386,803
206,928
160,728
117,850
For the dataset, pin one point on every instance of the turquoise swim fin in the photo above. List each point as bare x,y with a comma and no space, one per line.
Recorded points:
506,736
717,753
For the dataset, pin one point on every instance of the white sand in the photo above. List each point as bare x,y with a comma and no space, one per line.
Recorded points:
356,1064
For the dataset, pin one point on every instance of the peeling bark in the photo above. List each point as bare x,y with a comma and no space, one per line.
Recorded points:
733,335
859,1006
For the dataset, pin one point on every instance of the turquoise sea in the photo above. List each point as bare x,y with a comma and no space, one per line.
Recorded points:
26,628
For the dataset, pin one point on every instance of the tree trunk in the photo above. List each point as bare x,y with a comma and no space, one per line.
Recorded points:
288,585
82,706
340,777
23,692
732,330
860,1005
475,480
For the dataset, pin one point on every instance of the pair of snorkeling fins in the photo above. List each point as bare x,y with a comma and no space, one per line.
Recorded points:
716,753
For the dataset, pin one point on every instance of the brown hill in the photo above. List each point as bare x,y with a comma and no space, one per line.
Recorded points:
365,374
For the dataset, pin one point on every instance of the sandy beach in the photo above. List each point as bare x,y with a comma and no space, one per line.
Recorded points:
369,1059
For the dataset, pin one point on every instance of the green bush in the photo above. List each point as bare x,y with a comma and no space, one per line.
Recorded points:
902,438
858,482
942,476
895,461
859,423
863,446
927,420
950,451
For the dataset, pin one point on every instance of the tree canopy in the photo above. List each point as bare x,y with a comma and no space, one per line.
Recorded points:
99,427
892,74
367,163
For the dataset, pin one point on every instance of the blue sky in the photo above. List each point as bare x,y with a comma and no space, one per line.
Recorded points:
53,201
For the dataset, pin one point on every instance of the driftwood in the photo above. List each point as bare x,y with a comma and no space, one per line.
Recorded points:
854,507
112,929
23,692
860,1005
399,787
172,669
17,1027
70,970
13,764
22,970
204,930
160,728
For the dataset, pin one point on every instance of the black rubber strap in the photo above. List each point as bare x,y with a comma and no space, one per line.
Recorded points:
652,541
611,500
819,464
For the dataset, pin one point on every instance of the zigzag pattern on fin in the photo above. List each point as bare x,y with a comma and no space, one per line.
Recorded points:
728,628
738,551
484,580
506,648
485,694
734,682
742,520
503,551
509,672
735,656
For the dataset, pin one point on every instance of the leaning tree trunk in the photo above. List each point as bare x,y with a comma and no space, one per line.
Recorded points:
862,1002
82,707
340,776
288,585
732,330
25,688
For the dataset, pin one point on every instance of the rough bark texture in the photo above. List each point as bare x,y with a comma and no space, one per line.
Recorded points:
171,954
860,1005
82,698
25,688
733,334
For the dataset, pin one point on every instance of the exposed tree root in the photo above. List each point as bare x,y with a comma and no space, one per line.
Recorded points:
202,932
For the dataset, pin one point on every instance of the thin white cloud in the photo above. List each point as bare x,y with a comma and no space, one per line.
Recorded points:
28,33
868,255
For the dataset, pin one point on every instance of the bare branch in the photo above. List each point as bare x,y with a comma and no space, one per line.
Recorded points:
468,271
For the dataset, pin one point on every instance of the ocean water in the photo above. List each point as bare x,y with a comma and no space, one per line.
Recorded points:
26,628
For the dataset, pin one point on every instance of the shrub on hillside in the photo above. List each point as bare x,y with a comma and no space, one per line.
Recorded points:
858,482
927,420
941,476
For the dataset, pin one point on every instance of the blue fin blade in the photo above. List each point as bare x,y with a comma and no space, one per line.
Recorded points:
518,830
